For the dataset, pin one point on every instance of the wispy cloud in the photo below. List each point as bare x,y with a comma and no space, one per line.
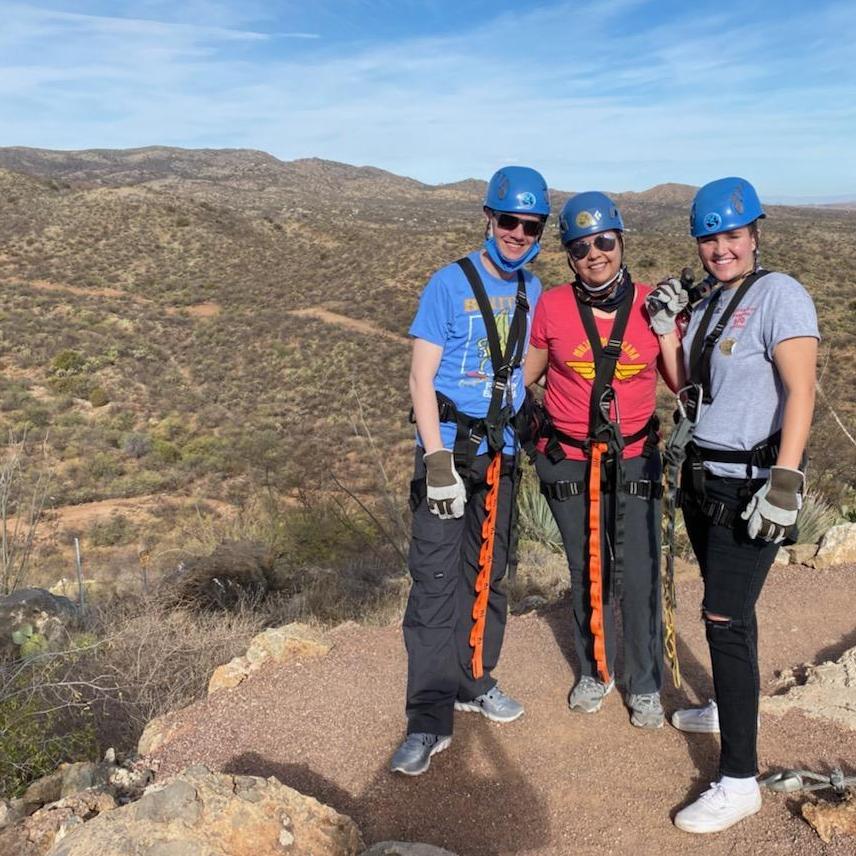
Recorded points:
614,94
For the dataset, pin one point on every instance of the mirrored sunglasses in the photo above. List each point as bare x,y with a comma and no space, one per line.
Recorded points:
580,248
531,228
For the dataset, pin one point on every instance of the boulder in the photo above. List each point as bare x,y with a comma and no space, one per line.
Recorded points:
837,547
800,554
46,614
827,819
37,834
200,813
280,644
826,693
11,811
158,731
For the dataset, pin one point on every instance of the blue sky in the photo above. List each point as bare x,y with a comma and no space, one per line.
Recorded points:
615,94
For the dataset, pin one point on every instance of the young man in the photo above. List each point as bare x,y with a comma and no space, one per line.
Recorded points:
470,333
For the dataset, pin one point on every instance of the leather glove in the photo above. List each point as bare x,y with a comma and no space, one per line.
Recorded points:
773,509
665,303
445,489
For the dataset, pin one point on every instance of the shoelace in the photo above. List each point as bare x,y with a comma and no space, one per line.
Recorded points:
715,792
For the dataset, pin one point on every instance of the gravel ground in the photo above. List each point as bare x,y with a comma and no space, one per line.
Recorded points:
553,782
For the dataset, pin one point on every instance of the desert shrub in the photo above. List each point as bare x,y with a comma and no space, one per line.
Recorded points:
207,454
117,529
104,466
165,451
68,362
98,397
41,724
137,445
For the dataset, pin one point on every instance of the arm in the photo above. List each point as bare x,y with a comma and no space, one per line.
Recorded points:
671,361
534,365
795,360
423,368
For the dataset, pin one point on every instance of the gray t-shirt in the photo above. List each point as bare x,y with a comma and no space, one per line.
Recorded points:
747,393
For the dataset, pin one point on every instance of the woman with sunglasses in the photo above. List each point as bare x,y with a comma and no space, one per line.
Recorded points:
470,333
750,351
599,464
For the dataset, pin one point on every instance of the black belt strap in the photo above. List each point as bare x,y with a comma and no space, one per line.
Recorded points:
503,363
601,426
704,343
564,490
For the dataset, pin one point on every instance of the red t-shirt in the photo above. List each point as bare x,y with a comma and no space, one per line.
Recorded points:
557,326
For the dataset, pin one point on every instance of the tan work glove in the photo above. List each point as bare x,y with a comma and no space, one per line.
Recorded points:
773,509
445,489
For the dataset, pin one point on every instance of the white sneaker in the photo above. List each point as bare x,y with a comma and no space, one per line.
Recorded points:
700,720
717,809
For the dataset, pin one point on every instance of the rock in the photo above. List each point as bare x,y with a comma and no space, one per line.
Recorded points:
826,693
200,813
783,556
828,819
45,790
47,615
529,604
11,811
800,554
37,834
291,641
403,848
837,547
158,731
83,775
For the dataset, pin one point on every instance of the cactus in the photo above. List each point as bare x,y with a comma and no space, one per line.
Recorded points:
30,642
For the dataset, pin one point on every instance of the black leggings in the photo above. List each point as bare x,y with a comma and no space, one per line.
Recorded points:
734,568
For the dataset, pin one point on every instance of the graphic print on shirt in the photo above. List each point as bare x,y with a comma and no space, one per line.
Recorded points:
477,347
586,369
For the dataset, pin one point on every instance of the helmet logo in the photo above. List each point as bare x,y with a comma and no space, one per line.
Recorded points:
586,219
737,199
712,221
502,189
526,199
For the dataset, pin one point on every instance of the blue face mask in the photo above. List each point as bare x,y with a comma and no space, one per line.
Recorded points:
503,263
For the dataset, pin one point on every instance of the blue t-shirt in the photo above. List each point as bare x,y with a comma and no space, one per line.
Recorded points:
449,316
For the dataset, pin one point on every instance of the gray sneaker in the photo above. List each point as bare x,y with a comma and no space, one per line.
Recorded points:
588,695
494,704
413,757
646,710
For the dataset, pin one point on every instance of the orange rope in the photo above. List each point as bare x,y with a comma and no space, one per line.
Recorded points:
595,564
485,565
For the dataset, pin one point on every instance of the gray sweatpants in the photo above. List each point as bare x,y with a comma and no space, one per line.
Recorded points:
443,561
640,601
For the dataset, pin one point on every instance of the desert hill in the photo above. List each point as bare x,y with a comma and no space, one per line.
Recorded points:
207,296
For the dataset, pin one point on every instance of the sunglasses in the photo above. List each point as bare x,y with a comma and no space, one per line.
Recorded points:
580,248
531,228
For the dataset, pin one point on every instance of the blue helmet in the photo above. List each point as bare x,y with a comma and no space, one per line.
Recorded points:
587,214
518,190
722,205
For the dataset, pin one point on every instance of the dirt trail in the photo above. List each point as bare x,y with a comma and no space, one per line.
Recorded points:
349,323
553,782
207,309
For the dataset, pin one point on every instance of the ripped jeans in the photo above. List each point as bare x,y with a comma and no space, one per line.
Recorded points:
734,568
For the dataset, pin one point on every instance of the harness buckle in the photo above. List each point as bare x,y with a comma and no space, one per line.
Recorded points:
688,400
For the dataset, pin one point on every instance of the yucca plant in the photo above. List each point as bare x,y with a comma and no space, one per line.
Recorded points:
815,517
536,519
